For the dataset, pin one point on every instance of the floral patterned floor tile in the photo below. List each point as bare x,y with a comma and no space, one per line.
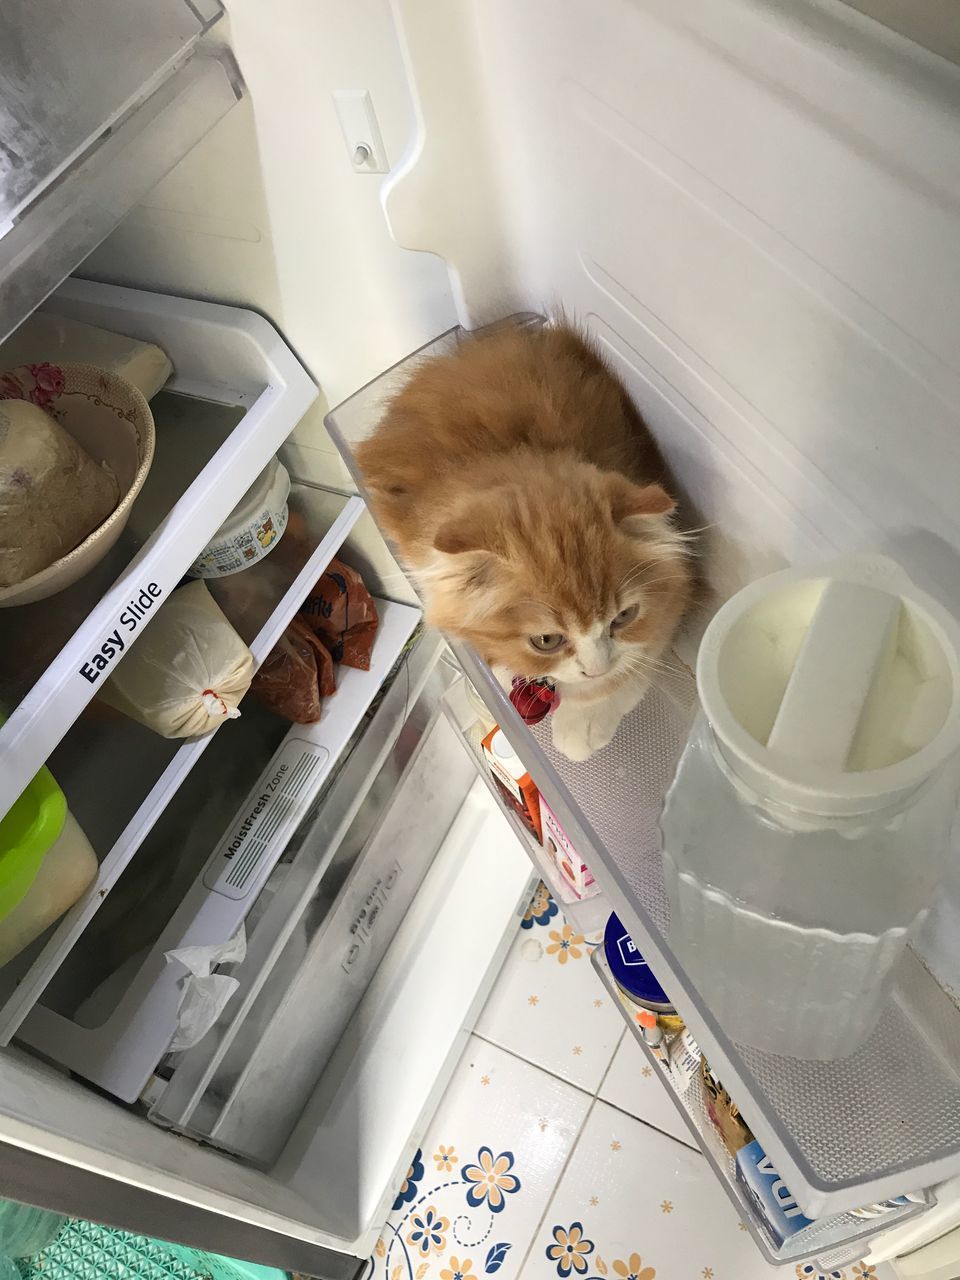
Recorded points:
631,1085
633,1204
488,1165
548,1005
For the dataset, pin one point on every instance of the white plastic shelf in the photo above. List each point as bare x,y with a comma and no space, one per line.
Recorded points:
842,1134
143,771
840,1238
232,359
139,1013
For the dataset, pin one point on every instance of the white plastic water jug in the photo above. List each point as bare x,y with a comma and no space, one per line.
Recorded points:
808,824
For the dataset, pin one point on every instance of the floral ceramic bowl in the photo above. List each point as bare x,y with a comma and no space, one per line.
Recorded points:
111,420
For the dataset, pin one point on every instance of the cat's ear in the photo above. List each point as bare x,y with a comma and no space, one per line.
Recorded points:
473,529
631,504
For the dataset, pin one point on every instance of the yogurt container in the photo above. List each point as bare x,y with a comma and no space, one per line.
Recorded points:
253,528
634,976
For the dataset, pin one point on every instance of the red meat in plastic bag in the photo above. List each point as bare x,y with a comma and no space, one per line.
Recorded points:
297,672
342,613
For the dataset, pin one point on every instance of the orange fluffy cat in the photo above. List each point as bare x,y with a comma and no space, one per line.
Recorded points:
525,494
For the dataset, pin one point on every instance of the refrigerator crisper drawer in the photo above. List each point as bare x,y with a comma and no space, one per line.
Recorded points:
325,928
330,1188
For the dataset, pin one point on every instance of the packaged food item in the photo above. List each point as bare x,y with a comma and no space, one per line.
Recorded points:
483,713
889,1206
44,337
252,529
342,613
775,1206
515,785
653,1036
296,674
568,862
723,1112
65,873
533,699
634,976
188,671
52,493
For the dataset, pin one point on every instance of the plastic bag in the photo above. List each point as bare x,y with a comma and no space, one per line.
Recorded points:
342,613
188,671
52,493
297,672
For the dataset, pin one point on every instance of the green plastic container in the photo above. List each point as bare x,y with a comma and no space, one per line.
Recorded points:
27,832
25,1231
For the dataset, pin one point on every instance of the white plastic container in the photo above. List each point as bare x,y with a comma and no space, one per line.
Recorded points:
808,825
252,529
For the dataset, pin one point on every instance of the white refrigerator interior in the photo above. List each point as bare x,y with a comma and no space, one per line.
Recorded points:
754,208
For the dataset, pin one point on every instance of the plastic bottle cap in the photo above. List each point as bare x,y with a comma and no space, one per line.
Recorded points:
833,690
647,1018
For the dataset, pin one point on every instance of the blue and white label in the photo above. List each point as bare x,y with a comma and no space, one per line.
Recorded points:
628,966
629,955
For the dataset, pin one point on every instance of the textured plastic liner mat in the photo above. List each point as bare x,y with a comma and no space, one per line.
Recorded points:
842,1134
84,1251
839,1236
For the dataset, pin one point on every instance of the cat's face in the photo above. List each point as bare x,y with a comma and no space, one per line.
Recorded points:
576,577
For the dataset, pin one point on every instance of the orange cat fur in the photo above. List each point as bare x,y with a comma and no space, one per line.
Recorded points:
525,494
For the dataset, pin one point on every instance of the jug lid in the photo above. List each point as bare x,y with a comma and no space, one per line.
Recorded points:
834,689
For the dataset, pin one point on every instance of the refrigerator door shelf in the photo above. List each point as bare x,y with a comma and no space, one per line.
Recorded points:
119,1045
143,771
804,1114
588,915
839,1238
248,393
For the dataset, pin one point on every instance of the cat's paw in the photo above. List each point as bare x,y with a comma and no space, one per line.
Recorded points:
581,731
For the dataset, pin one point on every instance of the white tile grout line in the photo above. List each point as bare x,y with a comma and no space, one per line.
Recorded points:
594,1099
538,1066
609,1068
553,1194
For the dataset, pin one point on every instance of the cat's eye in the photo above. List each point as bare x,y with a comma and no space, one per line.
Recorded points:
547,643
625,616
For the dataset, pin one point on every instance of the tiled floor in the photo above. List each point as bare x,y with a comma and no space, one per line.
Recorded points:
553,1156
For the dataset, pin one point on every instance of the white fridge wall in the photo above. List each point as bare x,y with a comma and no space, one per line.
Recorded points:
755,207
268,213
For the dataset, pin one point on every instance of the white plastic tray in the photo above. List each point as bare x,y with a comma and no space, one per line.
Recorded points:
221,354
